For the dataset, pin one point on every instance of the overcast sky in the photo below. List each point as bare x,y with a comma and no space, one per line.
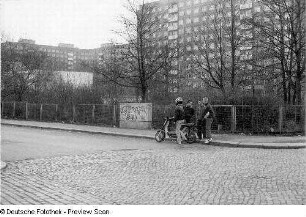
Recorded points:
84,23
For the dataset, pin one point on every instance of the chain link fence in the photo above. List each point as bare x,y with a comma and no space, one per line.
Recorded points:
159,113
292,118
94,114
246,118
229,118
222,122
7,110
49,112
82,113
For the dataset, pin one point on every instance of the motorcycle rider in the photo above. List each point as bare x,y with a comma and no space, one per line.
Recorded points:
179,120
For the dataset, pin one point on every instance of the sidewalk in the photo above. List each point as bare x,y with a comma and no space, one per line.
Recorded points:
228,140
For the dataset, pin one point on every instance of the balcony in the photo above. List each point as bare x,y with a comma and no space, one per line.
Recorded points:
171,37
173,18
174,27
173,10
173,72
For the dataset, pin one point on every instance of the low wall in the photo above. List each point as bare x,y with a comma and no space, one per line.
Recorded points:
136,115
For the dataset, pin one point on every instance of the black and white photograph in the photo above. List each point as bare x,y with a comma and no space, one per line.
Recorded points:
152,102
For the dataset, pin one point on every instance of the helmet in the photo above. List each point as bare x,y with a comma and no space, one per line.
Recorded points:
179,100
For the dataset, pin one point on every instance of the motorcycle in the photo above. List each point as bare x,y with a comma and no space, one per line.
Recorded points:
169,132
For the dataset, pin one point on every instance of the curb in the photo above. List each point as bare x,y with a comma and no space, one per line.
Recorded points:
3,165
253,145
79,131
214,143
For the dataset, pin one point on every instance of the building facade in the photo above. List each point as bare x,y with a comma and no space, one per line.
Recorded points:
65,57
209,31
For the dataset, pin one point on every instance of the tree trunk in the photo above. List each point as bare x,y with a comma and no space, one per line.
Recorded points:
298,90
298,48
289,92
294,94
233,34
167,86
284,87
144,94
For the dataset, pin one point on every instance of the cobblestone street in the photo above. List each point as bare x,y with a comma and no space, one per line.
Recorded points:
188,174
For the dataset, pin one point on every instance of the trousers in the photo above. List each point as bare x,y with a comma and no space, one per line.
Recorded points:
208,127
179,133
201,125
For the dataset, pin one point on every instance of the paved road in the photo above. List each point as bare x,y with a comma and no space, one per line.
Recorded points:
108,170
19,143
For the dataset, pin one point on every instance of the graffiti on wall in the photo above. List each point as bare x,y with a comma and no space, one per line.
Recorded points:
133,112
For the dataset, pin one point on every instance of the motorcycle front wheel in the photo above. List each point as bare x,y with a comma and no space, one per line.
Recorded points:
160,136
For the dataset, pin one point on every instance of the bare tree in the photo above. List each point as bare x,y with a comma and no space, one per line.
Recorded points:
218,42
23,69
281,37
109,72
145,55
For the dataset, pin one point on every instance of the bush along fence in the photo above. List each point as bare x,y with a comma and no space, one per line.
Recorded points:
229,118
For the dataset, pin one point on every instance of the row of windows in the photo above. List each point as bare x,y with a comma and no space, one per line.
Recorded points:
69,57
190,2
243,4
207,16
206,8
195,84
55,51
207,20
244,52
173,89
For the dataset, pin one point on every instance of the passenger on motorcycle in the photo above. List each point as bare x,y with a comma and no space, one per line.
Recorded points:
189,112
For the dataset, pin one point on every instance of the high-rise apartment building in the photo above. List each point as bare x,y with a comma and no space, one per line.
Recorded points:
66,57
192,24
68,62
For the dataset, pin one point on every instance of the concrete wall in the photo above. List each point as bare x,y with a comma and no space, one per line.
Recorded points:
136,115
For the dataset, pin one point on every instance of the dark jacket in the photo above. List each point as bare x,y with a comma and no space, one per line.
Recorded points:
189,114
207,109
179,113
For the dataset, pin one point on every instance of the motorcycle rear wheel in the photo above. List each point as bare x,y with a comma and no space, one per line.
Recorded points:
191,137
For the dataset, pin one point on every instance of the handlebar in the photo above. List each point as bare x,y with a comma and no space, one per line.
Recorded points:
189,124
169,118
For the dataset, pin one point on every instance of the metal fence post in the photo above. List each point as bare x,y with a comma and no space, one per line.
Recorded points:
27,111
280,119
56,111
114,114
14,109
93,113
233,119
73,113
41,112
2,106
